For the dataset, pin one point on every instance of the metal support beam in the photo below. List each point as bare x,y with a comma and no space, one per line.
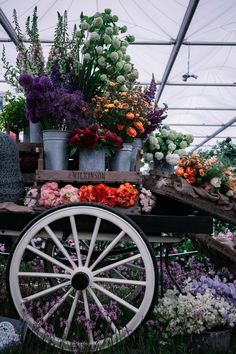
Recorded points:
158,43
180,37
218,131
197,125
201,109
8,27
205,84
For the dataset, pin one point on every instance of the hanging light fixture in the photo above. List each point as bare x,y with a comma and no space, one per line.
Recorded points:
186,76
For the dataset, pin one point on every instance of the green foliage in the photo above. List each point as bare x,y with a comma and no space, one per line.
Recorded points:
13,114
225,151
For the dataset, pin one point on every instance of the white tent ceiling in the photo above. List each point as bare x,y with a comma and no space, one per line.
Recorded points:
199,106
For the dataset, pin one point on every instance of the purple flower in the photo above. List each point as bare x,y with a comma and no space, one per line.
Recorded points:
26,81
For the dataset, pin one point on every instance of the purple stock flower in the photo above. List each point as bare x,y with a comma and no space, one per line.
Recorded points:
26,81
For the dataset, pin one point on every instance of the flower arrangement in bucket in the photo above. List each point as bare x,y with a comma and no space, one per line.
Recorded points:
202,320
165,147
93,143
129,113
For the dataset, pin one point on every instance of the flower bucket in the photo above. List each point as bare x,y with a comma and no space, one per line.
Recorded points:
120,161
211,341
55,149
35,132
91,160
136,147
163,166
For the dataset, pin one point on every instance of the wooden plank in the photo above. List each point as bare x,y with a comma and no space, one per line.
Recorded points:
88,176
170,186
30,147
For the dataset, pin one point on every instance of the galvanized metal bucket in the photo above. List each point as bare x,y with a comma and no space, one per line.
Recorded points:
91,160
55,149
35,132
120,161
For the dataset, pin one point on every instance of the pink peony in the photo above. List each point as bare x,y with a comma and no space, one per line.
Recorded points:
69,194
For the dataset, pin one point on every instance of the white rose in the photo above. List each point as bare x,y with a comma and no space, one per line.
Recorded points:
215,182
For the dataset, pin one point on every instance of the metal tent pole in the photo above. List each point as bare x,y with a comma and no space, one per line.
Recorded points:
8,27
215,133
182,31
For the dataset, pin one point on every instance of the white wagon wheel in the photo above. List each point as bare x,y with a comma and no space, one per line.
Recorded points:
88,307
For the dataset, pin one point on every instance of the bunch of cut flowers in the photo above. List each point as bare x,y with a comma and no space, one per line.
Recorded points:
179,314
124,196
86,60
166,145
94,137
129,113
55,108
209,173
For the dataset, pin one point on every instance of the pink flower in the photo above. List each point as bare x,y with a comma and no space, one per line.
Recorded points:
50,195
69,194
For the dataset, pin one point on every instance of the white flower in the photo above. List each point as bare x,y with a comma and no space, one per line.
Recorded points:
165,132
119,65
120,79
215,182
125,43
183,144
84,26
172,159
114,56
98,22
127,67
147,157
99,49
103,77
171,147
116,43
109,30
87,56
153,140
159,155
94,36
123,49
102,61
107,39
180,152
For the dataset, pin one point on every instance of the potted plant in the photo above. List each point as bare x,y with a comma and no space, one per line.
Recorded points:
203,320
58,111
93,143
13,115
164,148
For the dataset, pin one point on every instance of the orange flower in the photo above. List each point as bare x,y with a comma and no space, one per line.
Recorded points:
129,116
120,127
112,84
109,105
201,172
131,132
191,171
179,171
191,179
139,126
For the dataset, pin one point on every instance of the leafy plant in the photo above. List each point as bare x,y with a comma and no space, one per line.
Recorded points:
13,115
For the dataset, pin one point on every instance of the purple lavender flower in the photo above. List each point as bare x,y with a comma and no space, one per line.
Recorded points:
151,92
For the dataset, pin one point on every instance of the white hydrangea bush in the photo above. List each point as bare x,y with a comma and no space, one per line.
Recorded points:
166,145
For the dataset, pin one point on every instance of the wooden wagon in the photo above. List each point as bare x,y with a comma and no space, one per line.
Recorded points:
85,276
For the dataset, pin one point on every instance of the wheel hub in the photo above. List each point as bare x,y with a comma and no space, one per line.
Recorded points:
80,281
